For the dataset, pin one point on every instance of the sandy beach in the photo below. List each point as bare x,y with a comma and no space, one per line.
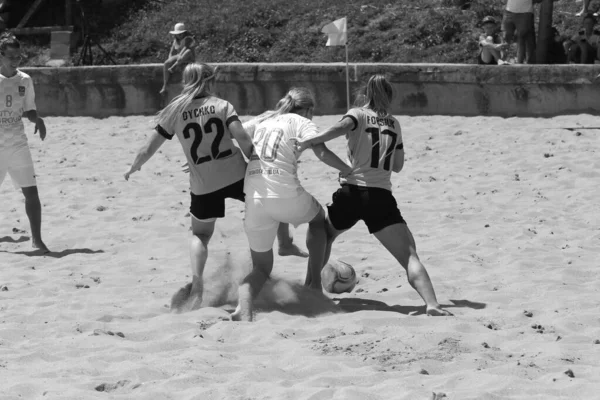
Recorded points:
506,217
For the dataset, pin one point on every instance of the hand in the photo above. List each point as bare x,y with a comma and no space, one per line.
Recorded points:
39,125
346,172
299,145
131,171
171,70
186,168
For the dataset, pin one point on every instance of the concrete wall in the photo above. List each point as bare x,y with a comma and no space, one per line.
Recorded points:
421,89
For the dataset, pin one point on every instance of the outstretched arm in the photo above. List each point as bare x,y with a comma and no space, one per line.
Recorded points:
331,159
242,137
38,121
340,128
145,153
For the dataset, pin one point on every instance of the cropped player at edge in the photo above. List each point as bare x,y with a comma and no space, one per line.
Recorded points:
18,100
375,149
274,193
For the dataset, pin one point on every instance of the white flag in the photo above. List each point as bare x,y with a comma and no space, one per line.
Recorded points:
337,34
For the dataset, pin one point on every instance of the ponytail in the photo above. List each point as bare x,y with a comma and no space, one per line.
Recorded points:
197,79
299,98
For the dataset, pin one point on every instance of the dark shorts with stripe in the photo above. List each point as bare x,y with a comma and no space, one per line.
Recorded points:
212,205
377,207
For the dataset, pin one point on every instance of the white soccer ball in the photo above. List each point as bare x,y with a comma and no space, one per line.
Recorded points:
338,277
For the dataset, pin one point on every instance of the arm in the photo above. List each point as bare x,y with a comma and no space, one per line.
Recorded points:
398,163
172,51
242,137
181,58
339,129
145,153
331,159
38,121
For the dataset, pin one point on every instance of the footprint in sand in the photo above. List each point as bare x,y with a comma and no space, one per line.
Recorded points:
111,387
98,332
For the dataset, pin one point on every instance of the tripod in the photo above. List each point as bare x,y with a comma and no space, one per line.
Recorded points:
86,55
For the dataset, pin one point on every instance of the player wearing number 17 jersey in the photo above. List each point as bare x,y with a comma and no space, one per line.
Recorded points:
205,126
375,150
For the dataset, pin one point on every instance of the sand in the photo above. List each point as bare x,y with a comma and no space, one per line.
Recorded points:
505,213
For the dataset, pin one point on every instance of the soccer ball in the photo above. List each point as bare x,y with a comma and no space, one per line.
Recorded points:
338,277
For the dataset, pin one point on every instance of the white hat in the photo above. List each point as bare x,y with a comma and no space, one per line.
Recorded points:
179,28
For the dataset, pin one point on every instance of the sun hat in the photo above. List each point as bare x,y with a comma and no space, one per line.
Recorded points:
489,19
179,28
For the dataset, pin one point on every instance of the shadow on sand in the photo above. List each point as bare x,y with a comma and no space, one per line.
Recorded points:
358,304
10,239
54,254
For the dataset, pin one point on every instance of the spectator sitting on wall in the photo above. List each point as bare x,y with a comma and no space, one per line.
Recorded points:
181,53
582,48
556,50
491,45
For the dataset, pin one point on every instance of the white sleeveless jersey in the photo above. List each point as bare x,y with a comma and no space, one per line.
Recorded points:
16,96
272,171
371,147
203,131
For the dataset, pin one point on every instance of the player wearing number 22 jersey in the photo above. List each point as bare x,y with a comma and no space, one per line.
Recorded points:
205,126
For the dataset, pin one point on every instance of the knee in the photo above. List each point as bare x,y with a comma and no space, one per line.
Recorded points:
203,237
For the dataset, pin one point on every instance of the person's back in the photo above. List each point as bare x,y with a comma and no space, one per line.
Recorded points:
272,171
371,147
202,129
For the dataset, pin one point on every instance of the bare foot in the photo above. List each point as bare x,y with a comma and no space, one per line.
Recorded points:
39,245
163,91
292,250
236,315
438,312
180,298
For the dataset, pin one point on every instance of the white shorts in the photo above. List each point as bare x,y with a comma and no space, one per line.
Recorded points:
262,217
17,162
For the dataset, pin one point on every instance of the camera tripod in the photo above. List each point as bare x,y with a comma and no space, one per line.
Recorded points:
86,55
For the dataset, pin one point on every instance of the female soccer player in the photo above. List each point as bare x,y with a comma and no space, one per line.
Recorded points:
375,149
17,99
274,193
205,126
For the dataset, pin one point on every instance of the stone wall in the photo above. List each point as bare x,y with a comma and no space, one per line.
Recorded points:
421,89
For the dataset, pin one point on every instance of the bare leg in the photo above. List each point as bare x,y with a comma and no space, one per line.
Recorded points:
286,242
262,265
316,242
202,232
331,235
166,74
33,208
399,241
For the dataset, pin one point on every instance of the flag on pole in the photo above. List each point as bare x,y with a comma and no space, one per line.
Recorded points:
337,34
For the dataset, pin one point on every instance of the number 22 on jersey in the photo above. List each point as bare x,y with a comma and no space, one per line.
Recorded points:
382,141
213,125
266,144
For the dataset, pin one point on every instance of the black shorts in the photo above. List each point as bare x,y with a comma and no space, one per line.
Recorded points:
212,205
375,206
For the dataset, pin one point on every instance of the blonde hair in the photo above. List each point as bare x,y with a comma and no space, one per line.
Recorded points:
377,95
197,78
298,98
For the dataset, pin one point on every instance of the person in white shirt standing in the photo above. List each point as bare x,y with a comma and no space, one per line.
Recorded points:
17,99
519,21
274,194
